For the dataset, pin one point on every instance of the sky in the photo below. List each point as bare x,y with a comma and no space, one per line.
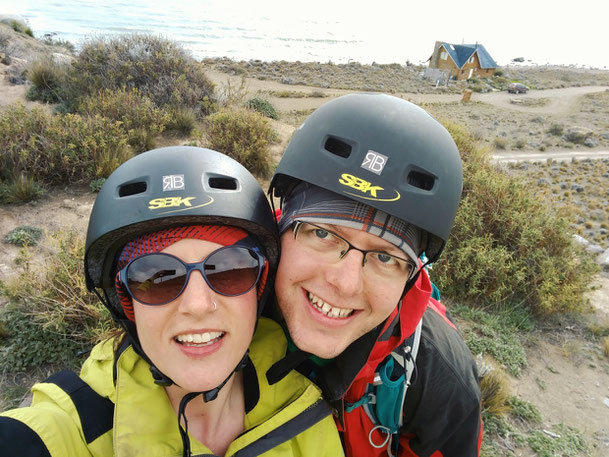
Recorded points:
541,31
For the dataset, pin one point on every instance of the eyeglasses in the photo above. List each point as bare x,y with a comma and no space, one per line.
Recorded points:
159,278
330,247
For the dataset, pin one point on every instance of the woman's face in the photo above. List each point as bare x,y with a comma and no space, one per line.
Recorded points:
189,341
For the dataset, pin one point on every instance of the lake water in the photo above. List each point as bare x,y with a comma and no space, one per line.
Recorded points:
239,29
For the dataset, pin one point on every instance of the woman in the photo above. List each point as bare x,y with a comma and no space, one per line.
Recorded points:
183,244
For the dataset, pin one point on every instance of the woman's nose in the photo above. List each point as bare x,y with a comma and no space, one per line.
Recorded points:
197,295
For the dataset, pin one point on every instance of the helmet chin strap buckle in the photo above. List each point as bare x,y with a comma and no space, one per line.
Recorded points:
159,378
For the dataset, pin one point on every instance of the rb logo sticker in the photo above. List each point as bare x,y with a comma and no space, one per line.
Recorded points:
374,161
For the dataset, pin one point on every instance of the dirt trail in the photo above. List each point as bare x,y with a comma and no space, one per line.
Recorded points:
560,101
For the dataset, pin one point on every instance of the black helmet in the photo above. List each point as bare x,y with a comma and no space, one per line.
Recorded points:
382,151
169,187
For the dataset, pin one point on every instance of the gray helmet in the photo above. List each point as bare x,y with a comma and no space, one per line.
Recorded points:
382,151
169,187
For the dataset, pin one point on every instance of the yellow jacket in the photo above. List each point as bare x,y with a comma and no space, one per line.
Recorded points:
289,418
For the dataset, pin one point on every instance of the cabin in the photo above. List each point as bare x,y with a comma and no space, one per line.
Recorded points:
463,61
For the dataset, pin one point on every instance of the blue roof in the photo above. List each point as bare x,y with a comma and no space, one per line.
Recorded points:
460,53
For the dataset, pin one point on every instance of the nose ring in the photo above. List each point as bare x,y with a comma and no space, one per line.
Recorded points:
215,305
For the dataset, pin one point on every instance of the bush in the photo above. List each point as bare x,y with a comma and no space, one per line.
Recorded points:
262,106
20,27
556,130
159,68
97,184
22,189
507,245
243,135
181,121
141,120
24,235
51,315
59,149
500,143
47,79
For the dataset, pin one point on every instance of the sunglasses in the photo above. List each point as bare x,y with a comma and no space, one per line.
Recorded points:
159,278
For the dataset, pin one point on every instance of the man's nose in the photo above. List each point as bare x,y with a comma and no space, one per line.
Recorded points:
347,274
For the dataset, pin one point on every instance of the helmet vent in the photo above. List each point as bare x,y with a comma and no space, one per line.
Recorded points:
420,180
223,183
132,188
338,147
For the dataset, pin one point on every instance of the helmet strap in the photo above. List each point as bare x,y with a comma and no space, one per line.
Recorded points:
208,396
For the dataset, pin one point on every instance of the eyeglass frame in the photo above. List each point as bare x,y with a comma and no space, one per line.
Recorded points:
199,266
296,228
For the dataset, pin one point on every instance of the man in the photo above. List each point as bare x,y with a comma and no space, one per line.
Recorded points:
368,184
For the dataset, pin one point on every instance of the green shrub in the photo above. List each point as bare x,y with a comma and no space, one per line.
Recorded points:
500,143
24,235
507,245
525,411
97,184
59,149
496,334
556,130
520,143
20,27
244,135
138,115
47,79
498,72
22,189
159,68
181,121
262,106
51,316
59,43
568,442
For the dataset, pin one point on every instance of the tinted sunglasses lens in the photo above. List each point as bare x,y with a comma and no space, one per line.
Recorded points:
232,270
156,278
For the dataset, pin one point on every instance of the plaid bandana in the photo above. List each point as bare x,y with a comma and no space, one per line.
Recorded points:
157,241
309,203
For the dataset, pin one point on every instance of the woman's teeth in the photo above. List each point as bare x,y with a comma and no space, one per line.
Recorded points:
328,310
199,339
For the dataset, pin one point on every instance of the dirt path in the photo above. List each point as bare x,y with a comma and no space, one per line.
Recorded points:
559,156
560,101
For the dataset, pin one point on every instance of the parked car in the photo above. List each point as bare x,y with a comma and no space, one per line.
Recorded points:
517,88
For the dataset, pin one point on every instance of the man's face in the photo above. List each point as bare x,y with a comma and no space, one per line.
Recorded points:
329,303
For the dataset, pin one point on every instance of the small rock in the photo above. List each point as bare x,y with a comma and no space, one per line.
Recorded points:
603,260
590,142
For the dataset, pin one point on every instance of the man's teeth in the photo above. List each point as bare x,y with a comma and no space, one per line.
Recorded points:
326,309
199,338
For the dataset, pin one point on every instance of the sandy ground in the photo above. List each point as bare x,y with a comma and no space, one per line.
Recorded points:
567,378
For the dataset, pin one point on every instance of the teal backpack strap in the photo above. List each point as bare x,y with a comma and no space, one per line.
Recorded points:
384,400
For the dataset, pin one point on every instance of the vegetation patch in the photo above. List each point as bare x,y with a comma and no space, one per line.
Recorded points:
24,235
161,69
496,334
50,316
508,247
563,440
139,117
59,149
244,135
262,106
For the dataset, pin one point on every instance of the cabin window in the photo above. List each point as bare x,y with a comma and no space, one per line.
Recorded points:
471,59
444,55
